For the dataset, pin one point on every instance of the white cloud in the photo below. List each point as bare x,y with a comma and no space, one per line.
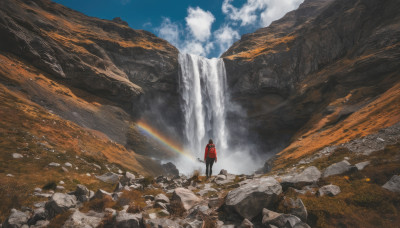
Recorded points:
224,37
199,22
269,10
193,47
169,31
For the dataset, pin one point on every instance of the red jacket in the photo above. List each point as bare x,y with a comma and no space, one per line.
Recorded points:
211,151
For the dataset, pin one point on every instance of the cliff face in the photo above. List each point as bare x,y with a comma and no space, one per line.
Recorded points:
314,68
125,71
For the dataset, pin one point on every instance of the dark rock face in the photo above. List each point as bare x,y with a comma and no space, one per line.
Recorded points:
133,69
285,74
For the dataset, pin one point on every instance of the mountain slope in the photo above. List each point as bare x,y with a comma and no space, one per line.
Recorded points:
312,69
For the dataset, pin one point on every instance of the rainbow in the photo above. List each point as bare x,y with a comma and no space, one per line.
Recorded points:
144,127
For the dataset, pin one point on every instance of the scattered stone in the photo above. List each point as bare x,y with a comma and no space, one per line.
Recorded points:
337,168
87,174
16,219
101,194
67,164
60,203
65,169
249,199
120,171
17,155
130,175
161,198
40,224
246,224
152,216
308,176
38,214
81,220
39,204
61,182
393,184
281,220
60,188
186,197
160,205
206,191
128,220
329,190
161,223
37,190
109,177
10,175
214,202
170,169
296,207
223,172
82,193
54,164
97,166
362,165
220,177
163,213
149,197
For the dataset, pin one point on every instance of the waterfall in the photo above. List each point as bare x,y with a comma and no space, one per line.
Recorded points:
204,99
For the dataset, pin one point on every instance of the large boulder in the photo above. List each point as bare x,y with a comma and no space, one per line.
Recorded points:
329,190
17,219
170,169
337,168
128,220
185,197
393,184
309,176
81,220
109,177
60,203
271,218
249,199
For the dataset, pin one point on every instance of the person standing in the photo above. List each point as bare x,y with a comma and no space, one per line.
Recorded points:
210,156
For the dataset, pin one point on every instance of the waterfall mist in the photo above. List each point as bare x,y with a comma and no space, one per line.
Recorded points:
205,101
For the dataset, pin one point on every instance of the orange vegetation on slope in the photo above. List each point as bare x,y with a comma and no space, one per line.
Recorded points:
263,46
80,34
382,112
18,113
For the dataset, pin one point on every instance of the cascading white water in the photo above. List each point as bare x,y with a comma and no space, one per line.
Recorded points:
203,90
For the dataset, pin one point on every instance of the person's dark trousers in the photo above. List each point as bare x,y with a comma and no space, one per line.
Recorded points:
209,164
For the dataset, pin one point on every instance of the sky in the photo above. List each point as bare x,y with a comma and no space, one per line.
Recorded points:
202,27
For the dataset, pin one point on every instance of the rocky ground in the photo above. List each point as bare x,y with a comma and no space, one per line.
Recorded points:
344,188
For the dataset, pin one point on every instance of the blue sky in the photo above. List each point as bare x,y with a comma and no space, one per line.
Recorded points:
202,27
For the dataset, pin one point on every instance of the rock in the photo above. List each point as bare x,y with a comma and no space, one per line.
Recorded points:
223,172
39,204
161,223
10,175
82,193
198,211
249,199
65,169
337,168
37,190
101,194
81,220
109,177
246,224
54,164
40,224
186,197
60,188
296,207
128,220
207,190
393,184
330,190
152,216
170,169
60,203
61,182
220,177
163,213
161,198
214,202
38,214
281,220
16,219
130,175
361,165
67,164
17,155
160,205
308,176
